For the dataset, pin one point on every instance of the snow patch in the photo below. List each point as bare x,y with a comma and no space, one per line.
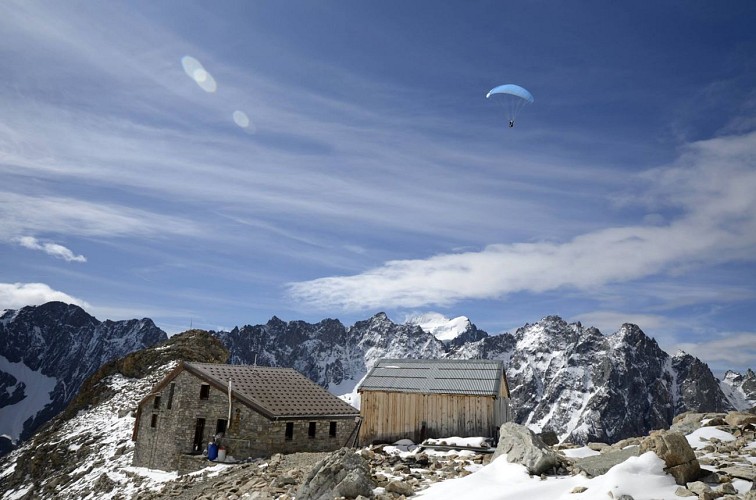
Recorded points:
37,395
438,325
700,437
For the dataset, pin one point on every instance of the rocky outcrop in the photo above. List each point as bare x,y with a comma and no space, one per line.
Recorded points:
522,446
598,465
679,459
740,419
344,473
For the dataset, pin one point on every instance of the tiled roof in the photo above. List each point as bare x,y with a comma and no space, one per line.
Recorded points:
275,392
440,376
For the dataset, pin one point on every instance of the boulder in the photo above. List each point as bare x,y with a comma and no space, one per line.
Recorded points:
549,437
684,492
400,488
740,418
522,446
344,473
597,446
741,472
687,422
598,465
679,458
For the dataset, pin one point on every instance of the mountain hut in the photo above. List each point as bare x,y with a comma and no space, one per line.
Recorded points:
432,398
257,410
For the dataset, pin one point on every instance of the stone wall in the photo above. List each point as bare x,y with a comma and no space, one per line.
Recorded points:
249,434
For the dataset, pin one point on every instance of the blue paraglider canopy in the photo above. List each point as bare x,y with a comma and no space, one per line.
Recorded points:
513,96
512,89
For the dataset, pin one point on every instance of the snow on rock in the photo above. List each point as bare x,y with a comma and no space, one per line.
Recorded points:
639,477
701,437
740,389
96,443
438,325
32,391
62,343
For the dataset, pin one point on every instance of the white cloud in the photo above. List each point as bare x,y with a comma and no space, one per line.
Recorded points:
54,249
17,295
727,350
711,187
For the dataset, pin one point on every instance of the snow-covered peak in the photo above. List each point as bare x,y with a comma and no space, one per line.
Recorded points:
740,389
438,325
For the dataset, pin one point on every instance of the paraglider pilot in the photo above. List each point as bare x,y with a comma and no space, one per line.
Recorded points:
511,123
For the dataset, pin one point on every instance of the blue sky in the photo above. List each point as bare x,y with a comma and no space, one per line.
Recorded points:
216,164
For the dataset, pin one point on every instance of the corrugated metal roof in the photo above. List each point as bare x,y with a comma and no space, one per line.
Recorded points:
276,392
443,376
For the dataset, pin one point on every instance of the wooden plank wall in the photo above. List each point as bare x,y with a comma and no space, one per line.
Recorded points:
390,416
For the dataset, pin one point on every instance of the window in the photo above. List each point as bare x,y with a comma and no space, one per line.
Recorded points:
205,391
153,423
289,431
156,403
220,427
332,430
170,396
311,430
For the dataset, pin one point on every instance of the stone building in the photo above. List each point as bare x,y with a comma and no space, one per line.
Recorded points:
433,398
259,410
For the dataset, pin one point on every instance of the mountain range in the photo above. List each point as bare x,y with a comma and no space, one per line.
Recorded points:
46,354
564,377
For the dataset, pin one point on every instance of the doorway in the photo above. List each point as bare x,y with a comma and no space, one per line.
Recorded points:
199,434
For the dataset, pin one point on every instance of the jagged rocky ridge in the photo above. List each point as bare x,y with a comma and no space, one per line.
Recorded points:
64,343
563,377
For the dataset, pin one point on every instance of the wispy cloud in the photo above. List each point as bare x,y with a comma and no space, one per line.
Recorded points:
610,321
61,215
725,351
711,187
366,166
54,249
16,295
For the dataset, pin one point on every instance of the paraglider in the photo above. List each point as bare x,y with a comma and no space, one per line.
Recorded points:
513,96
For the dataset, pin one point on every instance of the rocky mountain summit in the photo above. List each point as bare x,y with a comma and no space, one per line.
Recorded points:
48,352
586,386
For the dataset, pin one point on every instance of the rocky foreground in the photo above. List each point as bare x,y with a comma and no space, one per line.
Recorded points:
711,468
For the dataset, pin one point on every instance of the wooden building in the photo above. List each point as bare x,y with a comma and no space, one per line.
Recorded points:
260,411
432,398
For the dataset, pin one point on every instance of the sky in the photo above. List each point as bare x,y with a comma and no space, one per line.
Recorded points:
216,164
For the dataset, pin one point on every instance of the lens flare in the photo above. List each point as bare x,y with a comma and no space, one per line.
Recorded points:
194,69
241,118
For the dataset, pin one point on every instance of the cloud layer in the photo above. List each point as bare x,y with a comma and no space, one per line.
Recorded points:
708,194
